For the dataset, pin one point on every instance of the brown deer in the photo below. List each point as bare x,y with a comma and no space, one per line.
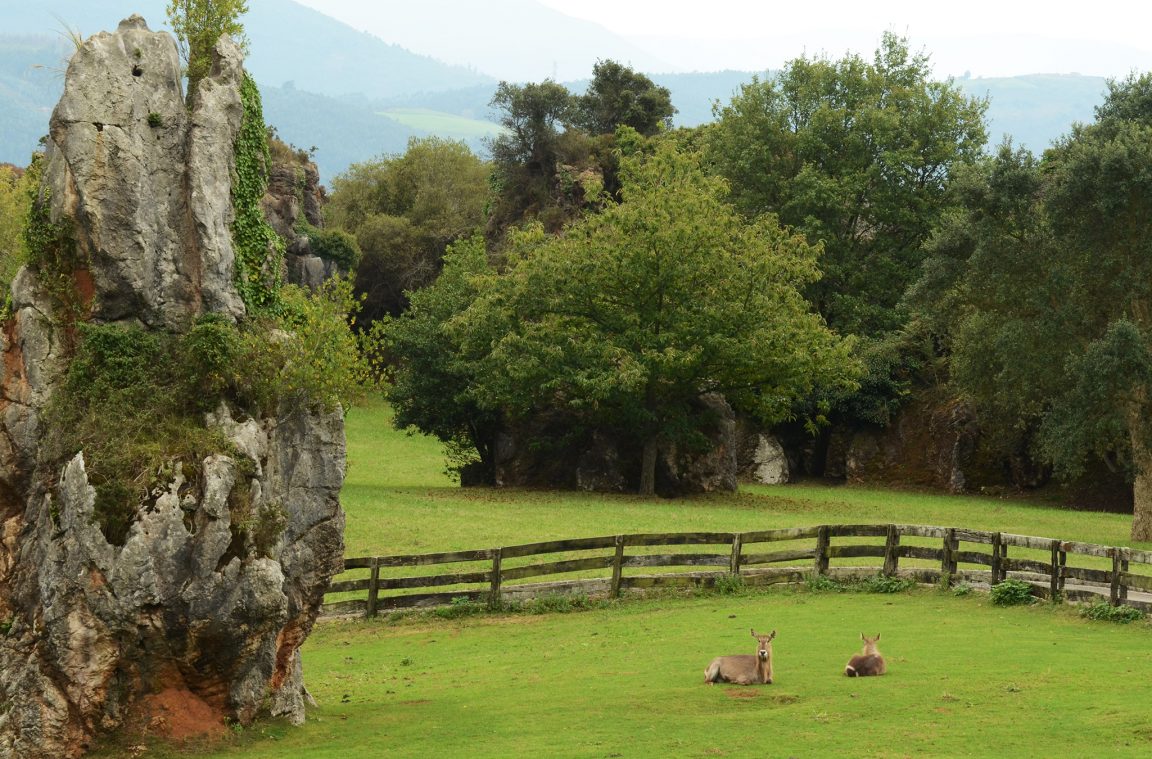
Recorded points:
744,669
870,662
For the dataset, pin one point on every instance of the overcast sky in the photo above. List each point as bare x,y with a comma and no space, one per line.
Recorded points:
985,37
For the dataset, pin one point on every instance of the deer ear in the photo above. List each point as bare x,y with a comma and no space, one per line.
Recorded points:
863,637
754,635
773,635
877,636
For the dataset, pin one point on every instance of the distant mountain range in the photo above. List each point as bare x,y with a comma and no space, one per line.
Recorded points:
353,96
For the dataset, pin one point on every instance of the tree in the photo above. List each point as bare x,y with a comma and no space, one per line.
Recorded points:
198,24
633,314
430,378
527,155
404,211
1052,269
15,199
619,96
857,154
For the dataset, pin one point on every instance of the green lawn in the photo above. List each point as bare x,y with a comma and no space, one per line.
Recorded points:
443,124
965,678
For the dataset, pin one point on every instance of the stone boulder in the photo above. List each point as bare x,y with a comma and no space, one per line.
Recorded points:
204,604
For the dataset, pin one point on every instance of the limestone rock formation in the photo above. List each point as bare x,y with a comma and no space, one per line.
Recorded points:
219,579
292,204
767,462
600,461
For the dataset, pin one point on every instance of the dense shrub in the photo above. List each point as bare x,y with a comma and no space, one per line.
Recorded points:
1103,610
1012,593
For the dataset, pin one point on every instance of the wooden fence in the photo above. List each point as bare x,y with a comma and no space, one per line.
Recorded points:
607,565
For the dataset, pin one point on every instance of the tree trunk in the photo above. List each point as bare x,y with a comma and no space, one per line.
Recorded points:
648,468
1142,485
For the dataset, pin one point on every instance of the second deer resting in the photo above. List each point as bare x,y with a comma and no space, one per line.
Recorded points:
744,669
870,662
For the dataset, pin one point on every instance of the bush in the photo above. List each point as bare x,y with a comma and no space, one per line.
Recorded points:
1012,593
125,403
462,606
305,357
886,584
1105,611
824,584
963,589
729,584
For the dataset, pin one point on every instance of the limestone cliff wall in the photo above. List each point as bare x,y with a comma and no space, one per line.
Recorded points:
94,635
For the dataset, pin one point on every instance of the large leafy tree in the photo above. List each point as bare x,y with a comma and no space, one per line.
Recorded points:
198,24
527,155
404,211
1050,270
856,154
631,315
430,377
618,96
557,156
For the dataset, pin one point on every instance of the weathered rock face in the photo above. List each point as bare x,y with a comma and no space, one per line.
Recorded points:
219,580
927,444
295,195
605,463
150,180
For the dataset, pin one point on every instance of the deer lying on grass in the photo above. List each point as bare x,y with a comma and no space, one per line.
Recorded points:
870,662
744,669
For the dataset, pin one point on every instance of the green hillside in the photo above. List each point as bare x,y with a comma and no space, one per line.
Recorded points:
443,124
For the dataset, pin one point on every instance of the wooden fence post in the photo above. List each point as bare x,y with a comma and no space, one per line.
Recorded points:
948,560
1114,590
1063,567
494,593
373,587
997,558
737,545
1054,570
1123,568
617,567
822,539
891,557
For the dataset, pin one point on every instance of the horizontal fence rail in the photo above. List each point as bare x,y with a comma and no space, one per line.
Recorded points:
609,565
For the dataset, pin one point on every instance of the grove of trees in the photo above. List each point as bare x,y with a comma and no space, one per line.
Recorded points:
1040,288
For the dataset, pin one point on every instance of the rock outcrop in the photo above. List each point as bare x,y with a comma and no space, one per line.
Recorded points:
204,605
602,461
292,206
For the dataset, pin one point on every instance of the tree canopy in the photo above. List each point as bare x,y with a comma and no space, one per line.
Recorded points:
198,24
858,155
634,313
404,211
1049,273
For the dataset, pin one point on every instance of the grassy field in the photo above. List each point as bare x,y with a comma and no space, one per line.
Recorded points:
966,678
444,124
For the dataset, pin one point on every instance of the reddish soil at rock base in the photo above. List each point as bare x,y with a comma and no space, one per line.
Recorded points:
177,713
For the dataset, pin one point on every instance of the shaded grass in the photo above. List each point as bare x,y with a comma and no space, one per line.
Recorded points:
400,501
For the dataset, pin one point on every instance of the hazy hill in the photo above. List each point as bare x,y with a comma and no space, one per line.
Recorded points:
329,86
1038,108
289,43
